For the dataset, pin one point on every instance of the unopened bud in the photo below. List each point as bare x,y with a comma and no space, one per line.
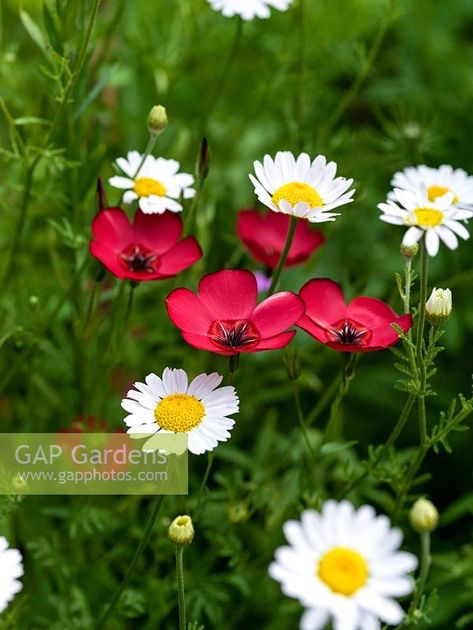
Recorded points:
424,516
439,306
157,120
238,513
181,531
409,251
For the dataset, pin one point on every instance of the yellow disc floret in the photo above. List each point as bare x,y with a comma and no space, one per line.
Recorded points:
428,217
179,413
145,186
343,570
439,191
296,192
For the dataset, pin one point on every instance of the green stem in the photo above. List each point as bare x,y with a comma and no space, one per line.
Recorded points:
348,363
156,506
302,423
324,400
300,92
203,485
363,73
180,586
395,433
425,562
290,237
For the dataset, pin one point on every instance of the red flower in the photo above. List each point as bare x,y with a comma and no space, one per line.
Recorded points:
264,236
363,325
225,319
147,249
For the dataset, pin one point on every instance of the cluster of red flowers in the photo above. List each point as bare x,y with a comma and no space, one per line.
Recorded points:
224,316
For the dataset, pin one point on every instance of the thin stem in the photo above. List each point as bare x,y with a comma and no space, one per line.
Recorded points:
348,372
363,73
290,237
425,562
395,433
324,400
300,92
180,586
222,82
203,485
302,424
156,506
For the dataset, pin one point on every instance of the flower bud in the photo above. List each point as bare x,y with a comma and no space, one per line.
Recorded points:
181,531
424,516
409,251
157,120
238,513
439,306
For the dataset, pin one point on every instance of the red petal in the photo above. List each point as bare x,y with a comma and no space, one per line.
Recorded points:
264,235
274,343
324,301
385,335
108,258
182,255
313,329
370,312
203,343
187,312
277,313
158,232
229,294
112,228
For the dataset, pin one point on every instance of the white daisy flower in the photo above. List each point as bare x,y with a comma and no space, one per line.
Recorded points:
248,9
438,182
11,568
343,564
435,219
171,405
300,187
156,184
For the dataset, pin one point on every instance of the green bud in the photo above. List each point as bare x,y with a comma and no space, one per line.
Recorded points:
439,306
181,531
157,120
424,516
409,251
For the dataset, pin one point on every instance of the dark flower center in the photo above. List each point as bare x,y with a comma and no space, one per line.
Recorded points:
347,332
138,259
239,334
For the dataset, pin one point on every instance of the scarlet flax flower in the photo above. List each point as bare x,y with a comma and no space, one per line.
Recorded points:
224,317
264,236
364,325
147,249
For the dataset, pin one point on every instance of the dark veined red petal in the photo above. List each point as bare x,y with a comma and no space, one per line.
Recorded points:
324,301
112,228
202,342
158,232
274,343
277,313
182,255
108,258
370,312
385,335
229,294
187,312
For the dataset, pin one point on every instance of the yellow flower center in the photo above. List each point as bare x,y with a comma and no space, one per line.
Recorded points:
298,191
145,186
428,217
343,570
179,413
438,191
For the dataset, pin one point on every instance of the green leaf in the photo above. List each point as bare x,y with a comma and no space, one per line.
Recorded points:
34,31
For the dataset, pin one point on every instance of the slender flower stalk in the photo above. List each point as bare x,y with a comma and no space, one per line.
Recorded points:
348,373
180,587
277,273
155,508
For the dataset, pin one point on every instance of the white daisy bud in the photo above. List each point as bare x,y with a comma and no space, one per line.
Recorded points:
181,531
409,251
439,306
424,516
157,120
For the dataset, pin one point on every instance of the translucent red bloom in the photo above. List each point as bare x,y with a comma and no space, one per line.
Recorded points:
147,249
364,325
264,236
224,317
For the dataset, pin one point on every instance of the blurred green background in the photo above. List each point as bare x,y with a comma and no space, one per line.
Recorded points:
375,85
